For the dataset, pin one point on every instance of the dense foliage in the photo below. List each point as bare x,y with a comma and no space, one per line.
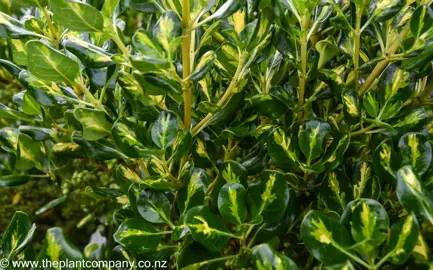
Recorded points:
264,134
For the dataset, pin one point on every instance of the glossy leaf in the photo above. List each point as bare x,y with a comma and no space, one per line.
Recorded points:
404,236
17,235
138,235
311,137
154,206
268,196
232,203
412,193
77,16
324,237
164,130
415,151
265,257
95,124
49,64
207,228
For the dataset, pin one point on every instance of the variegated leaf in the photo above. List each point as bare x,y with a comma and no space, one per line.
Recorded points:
264,257
164,130
311,137
207,228
268,196
324,237
94,122
49,64
413,195
138,235
415,151
232,203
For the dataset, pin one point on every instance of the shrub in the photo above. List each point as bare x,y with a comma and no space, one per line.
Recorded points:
227,134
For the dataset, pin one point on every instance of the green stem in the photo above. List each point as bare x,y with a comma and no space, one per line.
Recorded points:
351,256
50,24
120,44
303,71
198,265
363,130
186,62
383,260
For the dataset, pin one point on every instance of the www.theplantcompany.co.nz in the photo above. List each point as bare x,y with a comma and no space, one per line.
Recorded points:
83,264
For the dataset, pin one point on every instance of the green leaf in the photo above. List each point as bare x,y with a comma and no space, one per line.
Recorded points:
268,196
404,237
95,124
164,130
19,53
148,6
194,192
150,49
138,235
336,191
385,161
327,50
91,56
262,28
265,257
232,203
415,151
58,248
421,20
13,180
12,28
50,205
228,8
365,184
167,32
311,136
203,66
49,64
154,206
325,237
385,9
421,252
77,16
283,149
32,3
7,112
412,193
183,145
369,225
370,103
207,228
18,235
28,153
97,150
351,108
37,133
129,135
394,88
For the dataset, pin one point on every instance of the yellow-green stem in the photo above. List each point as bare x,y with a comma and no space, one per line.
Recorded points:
228,93
303,71
382,64
120,44
357,36
186,63
50,25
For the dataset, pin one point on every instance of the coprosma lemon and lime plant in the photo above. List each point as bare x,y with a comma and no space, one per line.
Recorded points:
263,134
